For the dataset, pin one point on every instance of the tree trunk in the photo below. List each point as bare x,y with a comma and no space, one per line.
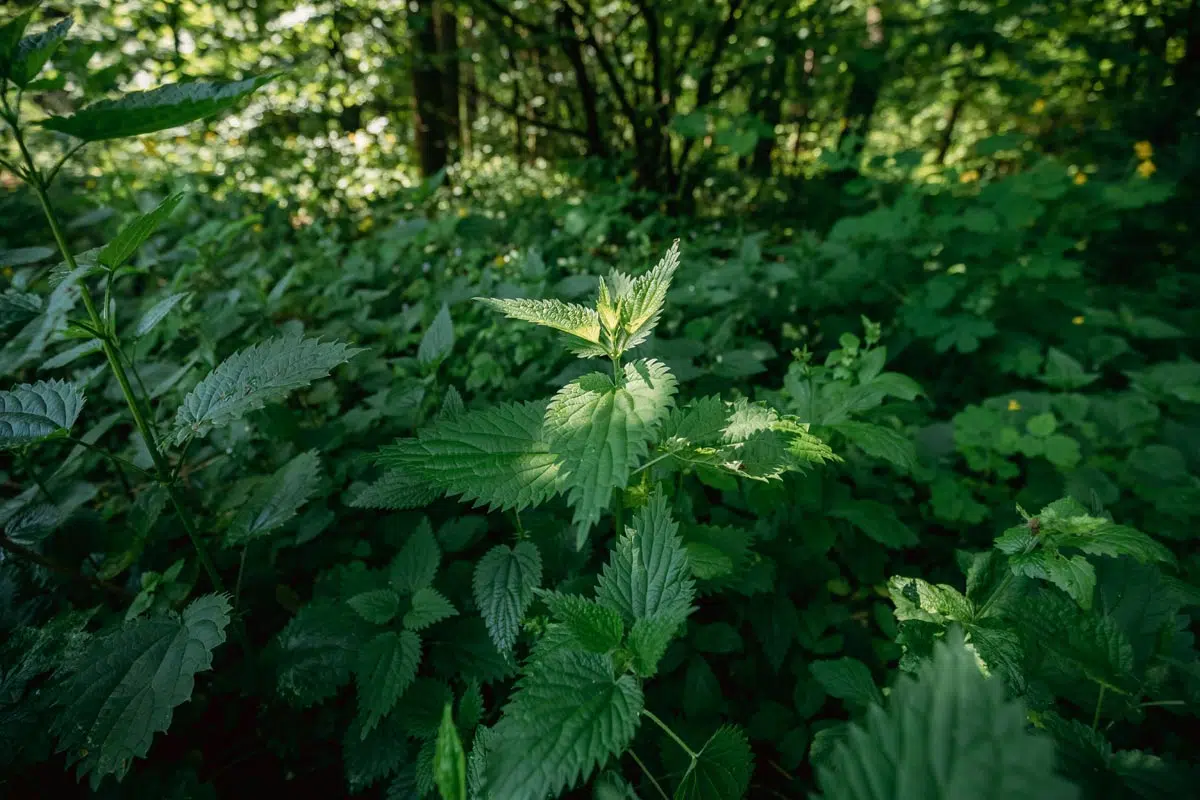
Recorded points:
769,108
429,128
587,90
867,71
447,33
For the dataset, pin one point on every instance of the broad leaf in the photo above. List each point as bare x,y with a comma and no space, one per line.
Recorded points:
397,490
721,770
449,760
125,686
386,667
567,718
250,378
10,36
1074,575
648,640
377,606
438,339
880,442
648,575
166,107
919,600
503,588
276,500
601,430
847,679
1107,539
34,411
496,457
428,607
318,651
579,323
595,628
948,734
133,235
877,521
33,51
416,564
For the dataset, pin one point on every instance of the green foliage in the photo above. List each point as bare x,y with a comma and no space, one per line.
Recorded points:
34,411
504,582
132,236
276,500
449,760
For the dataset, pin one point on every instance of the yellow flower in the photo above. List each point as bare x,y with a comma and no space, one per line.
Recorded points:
1038,106
1077,320
1013,405
1144,150
969,176
1146,169
366,224
462,212
258,228
150,147
499,262
209,136
1080,179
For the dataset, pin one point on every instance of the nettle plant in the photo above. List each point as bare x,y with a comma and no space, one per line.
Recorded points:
112,686
607,442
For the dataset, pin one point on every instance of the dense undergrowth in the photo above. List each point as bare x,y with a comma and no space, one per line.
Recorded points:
654,519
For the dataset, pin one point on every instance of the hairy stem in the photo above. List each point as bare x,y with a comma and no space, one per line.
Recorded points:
666,729
653,781
1099,705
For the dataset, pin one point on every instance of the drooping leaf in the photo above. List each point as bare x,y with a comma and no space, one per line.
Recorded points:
948,733
250,378
1107,539
579,323
877,521
71,355
648,575
416,564
125,686
133,235
385,668
721,770
880,442
594,627
438,340
496,457
428,607
847,679
34,411
166,107
33,51
449,760
567,718
276,500
503,588
600,431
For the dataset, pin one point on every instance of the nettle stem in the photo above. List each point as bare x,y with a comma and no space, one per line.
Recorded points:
674,736
1099,705
161,468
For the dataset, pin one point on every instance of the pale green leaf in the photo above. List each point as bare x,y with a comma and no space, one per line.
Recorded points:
601,430
428,607
648,574
579,323
449,760
31,412
124,687
377,606
166,107
919,600
949,734
386,666
251,378
641,303
438,340
133,235
721,770
504,581
276,500
496,457
847,679
416,564
568,716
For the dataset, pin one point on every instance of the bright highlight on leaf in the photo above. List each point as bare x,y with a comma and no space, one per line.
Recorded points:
503,587
34,411
579,323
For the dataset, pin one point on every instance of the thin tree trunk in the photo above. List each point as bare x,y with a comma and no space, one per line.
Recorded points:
770,109
587,90
867,71
947,137
447,33
429,129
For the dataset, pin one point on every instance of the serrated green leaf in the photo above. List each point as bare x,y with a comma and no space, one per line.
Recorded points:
579,323
595,628
880,442
641,303
948,734
397,490
428,607
648,640
600,431
381,753
166,107
318,650
503,588
438,340
133,235
1074,575
70,356
124,687
276,500
449,760
32,53
648,574
1094,644
31,412
567,718
1107,539
251,378
10,35
707,561
847,679
416,564
496,457
377,606
158,312
919,600
877,521
385,668
721,770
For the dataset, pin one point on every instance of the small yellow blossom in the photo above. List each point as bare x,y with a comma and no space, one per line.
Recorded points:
1146,169
209,136
499,262
1013,405
970,176
258,228
1080,178
366,224
842,123
1144,150
1038,106
1077,320
462,211
150,147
